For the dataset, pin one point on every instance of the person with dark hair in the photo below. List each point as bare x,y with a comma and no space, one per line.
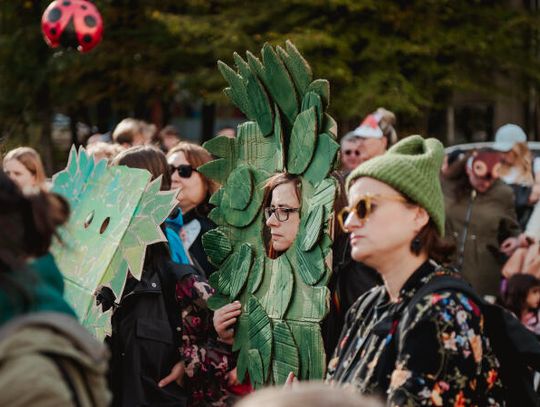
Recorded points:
184,364
193,198
435,353
168,137
480,219
46,357
522,297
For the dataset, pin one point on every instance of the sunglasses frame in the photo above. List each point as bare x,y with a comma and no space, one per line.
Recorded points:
349,152
269,211
173,169
368,197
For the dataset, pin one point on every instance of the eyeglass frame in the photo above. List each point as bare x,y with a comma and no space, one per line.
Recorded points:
269,211
174,168
368,197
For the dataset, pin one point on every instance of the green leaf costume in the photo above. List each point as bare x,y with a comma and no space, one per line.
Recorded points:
283,299
115,215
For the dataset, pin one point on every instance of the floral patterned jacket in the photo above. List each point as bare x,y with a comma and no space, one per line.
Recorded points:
207,361
442,358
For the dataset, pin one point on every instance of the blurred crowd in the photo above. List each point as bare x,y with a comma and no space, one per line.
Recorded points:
484,224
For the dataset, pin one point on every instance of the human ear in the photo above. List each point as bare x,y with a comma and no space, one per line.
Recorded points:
421,218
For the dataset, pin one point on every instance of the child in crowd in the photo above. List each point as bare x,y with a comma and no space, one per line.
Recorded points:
522,297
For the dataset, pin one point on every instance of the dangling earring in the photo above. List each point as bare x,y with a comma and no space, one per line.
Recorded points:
416,245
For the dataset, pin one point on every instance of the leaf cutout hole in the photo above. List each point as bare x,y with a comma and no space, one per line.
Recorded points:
104,225
88,220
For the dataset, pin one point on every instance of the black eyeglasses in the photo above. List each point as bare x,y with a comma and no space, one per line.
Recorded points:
183,170
349,152
282,214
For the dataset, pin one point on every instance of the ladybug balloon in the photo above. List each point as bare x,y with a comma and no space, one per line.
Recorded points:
72,23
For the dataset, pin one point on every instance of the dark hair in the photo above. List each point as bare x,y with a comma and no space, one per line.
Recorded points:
147,158
280,178
28,223
431,242
517,288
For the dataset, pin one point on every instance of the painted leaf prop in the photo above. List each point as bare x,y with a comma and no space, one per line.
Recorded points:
241,269
311,228
286,358
218,246
279,294
115,215
284,299
303,140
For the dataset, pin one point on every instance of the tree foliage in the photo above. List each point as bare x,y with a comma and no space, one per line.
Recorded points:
410,56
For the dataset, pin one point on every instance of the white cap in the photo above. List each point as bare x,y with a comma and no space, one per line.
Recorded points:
507,136
369,127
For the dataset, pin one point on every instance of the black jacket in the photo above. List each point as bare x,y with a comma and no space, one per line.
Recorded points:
146,336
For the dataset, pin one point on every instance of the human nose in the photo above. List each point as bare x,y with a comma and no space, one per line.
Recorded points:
272,220
353,221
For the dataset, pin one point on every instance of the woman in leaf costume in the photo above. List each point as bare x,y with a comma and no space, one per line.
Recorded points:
283,299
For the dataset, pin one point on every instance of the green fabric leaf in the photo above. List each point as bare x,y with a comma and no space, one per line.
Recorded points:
256,275
322,88
256,369
311,99
241,269
216,301
286,357
330,126
217,246
239,188
260,335
217,170
237,91
297,66
310,264
311,227
303,141
278,142
220,146
323,159
260,103
279,294
309,342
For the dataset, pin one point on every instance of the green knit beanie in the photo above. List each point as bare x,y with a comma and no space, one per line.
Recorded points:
412,167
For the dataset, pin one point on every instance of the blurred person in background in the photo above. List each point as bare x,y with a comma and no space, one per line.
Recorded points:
46,357
167,138
129,132
480,219
193,198
376,133
101,150
227,131
522,297
23,165
349,153
518,169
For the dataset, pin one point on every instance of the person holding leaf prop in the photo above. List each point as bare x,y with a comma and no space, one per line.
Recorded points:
437,352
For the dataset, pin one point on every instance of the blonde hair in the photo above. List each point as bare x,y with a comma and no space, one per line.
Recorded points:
31,160
386,124
196,156
312,394
523,162
126,131
100,149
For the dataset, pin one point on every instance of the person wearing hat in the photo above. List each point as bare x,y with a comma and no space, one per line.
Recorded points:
375,134
517,169
396,220
480,219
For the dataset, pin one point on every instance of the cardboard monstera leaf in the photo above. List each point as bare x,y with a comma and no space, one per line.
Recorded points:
115,215
283,299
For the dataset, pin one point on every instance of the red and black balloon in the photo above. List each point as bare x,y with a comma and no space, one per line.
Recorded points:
72,24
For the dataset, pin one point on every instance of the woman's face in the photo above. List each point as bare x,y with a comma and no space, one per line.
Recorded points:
192,190
533,298
15,170
283,233
391,226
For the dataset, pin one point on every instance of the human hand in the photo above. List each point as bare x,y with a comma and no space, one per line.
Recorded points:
509,245
291,381
535,194
224,318
176,375
232,378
